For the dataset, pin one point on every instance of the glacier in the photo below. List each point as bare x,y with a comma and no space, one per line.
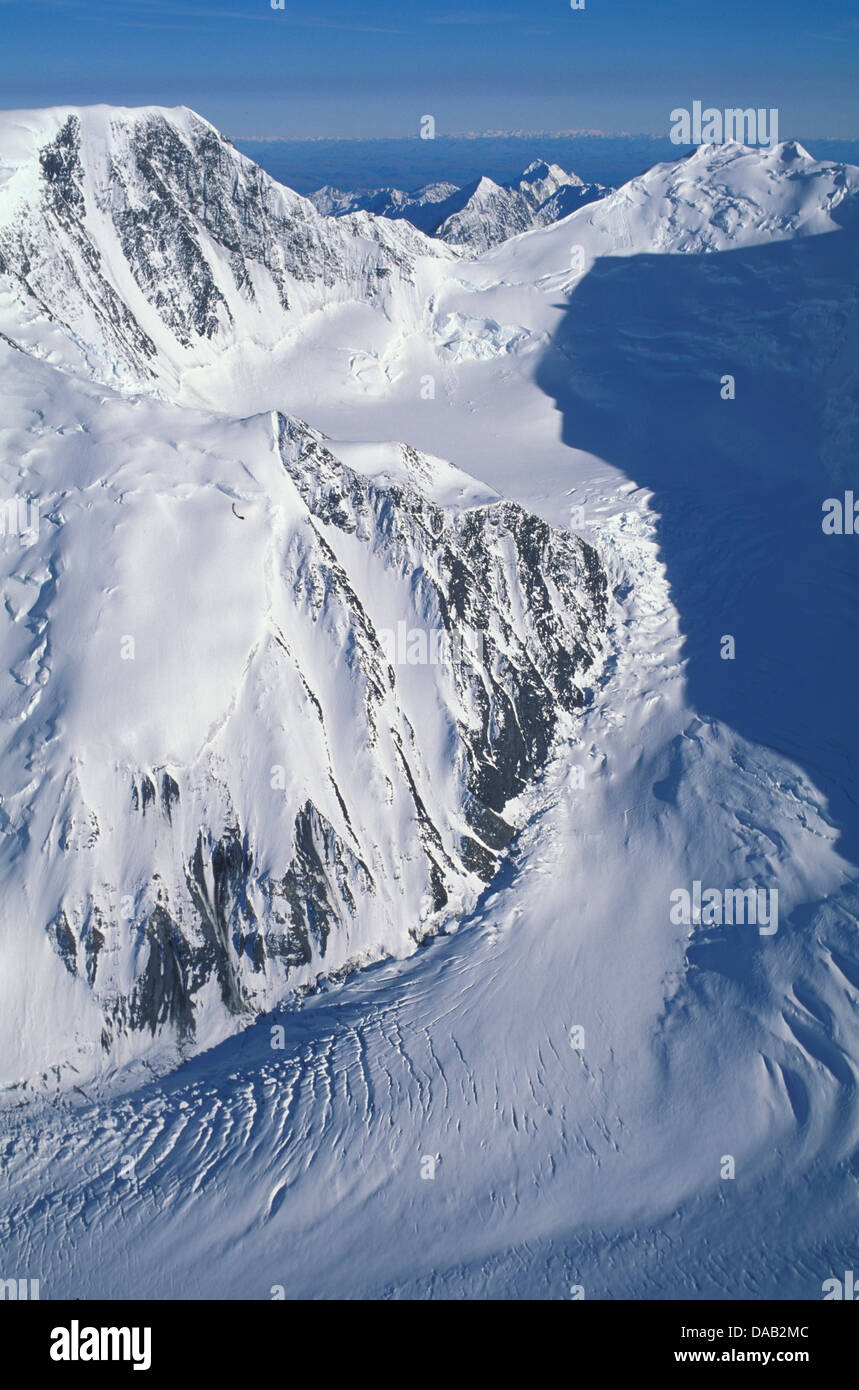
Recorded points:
324,975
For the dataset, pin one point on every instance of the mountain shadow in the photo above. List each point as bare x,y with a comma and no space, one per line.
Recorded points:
636,369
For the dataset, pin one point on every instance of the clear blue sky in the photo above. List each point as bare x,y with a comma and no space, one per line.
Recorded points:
374,67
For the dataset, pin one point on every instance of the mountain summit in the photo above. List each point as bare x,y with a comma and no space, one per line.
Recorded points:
365,592
267,697
479,214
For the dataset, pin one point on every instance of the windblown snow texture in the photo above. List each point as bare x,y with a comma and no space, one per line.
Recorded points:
232,771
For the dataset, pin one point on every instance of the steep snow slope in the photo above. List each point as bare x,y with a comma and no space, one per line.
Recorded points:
504,306
299,1160
134,243
143,249
220,776
297,1164
720,198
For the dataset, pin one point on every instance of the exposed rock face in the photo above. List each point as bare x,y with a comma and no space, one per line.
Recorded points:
480,214
482,566
404,675
139,237
246,746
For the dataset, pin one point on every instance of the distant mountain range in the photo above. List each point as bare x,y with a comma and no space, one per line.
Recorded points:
478,215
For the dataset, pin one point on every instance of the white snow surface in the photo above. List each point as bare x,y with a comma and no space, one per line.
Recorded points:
556,384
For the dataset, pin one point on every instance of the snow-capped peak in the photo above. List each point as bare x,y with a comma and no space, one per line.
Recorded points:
139,244
480,214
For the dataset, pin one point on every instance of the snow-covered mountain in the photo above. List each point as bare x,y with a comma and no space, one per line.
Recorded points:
425,208
479,214
266,711
137,244
230,765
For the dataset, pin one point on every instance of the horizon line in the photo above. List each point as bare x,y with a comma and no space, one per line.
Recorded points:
495,135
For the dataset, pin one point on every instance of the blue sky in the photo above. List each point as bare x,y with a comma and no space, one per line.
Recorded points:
372,68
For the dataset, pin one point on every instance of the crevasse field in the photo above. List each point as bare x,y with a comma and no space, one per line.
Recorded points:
331,970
